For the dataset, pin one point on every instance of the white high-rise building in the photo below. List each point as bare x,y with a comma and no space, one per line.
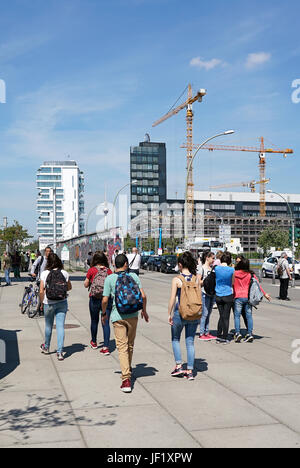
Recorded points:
63,182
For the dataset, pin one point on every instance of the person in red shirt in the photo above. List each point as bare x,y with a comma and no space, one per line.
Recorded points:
100,269
241,286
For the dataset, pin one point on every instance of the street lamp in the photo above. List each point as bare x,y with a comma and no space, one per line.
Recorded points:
88,217
293,231
228,132
135,182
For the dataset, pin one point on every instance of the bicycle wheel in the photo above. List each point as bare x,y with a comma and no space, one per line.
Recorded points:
33,306
25,302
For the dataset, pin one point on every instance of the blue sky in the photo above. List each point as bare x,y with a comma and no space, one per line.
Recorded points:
87,78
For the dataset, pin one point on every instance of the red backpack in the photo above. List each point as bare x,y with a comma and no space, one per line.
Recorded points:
97,287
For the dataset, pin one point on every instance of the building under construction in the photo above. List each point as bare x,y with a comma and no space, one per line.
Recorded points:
241,211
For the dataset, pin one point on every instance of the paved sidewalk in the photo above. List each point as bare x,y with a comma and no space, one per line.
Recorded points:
244,395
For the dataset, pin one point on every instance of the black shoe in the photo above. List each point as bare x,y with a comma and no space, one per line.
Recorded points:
287,299
238,337
248,339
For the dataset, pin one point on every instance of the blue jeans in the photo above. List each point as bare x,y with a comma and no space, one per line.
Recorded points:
190,331
59,311
95,309
7,278
207,306
240,305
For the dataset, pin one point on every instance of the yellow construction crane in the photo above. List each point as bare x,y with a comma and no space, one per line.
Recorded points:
251,185
188,104
262,163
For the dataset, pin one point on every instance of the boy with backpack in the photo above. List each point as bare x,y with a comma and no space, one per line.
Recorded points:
95,280
128,299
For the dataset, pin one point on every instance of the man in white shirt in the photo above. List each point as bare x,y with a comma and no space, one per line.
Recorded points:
40,264
285,277
134,261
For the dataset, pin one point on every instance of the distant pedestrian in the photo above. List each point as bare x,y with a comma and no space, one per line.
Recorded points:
134,261
40,265
6,265
208,259
128,298
224,295
242,281
89,259
285,276
33,257
95,280
54,287
184,312
113,258
16,264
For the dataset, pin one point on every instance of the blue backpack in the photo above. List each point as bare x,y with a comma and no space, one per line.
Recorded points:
128,297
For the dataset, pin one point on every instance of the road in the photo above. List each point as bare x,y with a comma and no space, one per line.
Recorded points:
244,395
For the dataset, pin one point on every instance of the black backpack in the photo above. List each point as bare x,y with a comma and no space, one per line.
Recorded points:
209,283
39,266
56,286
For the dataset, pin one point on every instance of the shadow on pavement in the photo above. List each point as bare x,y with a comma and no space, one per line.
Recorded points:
44,413
9,352
74,349
200,366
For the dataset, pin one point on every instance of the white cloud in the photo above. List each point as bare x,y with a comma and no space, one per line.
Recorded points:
257,59
207,65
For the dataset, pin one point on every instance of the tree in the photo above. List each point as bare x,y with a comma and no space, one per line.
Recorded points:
14,236
272,237
33,246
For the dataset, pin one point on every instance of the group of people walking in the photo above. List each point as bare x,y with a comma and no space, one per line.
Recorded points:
16,263
118,297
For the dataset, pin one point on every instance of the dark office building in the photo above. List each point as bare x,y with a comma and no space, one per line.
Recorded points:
148,168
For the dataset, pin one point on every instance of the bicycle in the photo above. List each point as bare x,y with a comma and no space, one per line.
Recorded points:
31,299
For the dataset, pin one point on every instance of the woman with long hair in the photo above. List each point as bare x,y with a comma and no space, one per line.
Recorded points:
188,272
55,283
95,279
242,280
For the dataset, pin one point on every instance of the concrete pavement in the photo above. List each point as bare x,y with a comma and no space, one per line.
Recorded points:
244,395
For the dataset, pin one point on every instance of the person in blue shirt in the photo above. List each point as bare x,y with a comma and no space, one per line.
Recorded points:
224,295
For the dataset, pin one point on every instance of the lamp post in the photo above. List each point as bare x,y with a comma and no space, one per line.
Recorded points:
88,217
293,231
228,132
135,182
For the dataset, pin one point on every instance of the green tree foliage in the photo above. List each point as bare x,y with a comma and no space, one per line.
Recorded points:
271,237
14,236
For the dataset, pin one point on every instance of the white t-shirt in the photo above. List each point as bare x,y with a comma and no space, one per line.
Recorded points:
44,277
134,261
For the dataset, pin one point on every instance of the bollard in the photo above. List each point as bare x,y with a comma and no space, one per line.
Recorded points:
2,352
274,277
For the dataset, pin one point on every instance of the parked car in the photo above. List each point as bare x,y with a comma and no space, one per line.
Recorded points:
154,263
144,262
168,264
270,265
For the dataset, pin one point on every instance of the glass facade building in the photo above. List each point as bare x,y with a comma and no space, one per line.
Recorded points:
148,169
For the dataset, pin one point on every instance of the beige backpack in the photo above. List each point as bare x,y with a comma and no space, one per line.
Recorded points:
190,307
